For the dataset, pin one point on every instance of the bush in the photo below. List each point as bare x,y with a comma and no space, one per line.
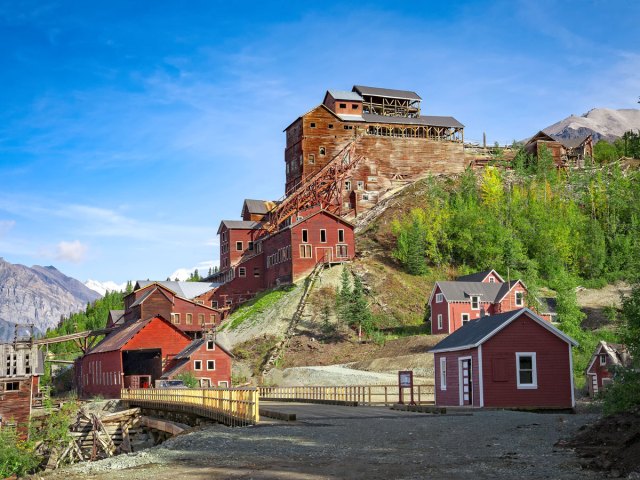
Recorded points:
189,379
16,456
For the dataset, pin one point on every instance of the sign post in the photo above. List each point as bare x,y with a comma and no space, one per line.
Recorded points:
405,380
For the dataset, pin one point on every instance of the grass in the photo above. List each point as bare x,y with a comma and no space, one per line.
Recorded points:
257,305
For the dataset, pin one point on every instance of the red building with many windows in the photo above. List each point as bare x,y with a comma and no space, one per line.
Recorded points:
508,360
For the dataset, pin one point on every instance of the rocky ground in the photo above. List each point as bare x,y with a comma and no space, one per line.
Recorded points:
352,443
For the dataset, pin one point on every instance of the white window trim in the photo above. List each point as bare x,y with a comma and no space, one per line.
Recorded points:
462,318
439,321
214,365
195,367
241,246
214,345
521,296
492,280
242,272
472,297
534,372
221,382
439,297
325,235
443,373
603,356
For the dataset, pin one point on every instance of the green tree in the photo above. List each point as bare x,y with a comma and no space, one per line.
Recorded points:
604,152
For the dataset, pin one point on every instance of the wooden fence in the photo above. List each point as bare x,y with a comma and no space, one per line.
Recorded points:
361,395
231,406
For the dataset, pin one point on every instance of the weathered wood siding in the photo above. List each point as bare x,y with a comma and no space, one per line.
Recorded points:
15,406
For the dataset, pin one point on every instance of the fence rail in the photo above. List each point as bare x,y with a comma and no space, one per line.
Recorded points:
231,406
362,395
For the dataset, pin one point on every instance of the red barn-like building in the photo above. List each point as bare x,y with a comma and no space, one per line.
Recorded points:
599,371
139,353
509,360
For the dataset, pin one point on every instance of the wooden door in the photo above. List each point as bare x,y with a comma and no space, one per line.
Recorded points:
324,254
466,382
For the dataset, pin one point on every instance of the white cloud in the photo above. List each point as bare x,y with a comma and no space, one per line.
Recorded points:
183,274
74,252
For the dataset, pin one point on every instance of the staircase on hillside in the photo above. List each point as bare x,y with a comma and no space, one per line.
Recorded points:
295,319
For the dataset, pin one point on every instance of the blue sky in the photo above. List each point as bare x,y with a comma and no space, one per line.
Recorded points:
128,130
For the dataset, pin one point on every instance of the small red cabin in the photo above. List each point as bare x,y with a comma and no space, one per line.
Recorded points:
599,372
207,360
509,360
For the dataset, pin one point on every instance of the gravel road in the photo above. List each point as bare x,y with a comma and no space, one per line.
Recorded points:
329,442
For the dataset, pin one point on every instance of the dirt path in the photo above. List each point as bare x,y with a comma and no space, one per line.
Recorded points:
361,442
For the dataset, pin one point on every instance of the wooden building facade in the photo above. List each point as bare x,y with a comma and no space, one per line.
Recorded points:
566,152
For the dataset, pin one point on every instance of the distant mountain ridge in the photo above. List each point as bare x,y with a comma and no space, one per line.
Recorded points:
38,296
103,287
603,123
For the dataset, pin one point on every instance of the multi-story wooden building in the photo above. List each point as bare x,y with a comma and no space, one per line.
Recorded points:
396,141
566,152
21,365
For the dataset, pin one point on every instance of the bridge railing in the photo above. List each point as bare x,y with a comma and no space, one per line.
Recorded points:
231,406
362,395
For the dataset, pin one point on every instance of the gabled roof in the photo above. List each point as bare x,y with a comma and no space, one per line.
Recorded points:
461,291
258,207
239,225
343,95
386,92
541,136
478,276
618,353
188,290
426,120
140,300
116,317
183,356
571,142
476,332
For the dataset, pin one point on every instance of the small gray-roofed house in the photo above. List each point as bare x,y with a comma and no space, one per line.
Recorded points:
474,333
477,277
344,95
386,92
239,225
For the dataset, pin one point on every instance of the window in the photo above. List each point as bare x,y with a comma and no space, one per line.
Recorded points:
342,251
250,246
341,236
354,106
305,251
365,197
256,272
323,151
330,125
443,373
526,365
347,185
228,302
439,321
465,318
201,318
372,179
475,302
223,384
211,345
323,236
242,271
312,158
343,105
211,364
175,318
348,127
214,304
200,302
189,319
439,297
12,386
360,185
197,364
239,247
212,318
492,280
305,236
312,125
519,299
603,359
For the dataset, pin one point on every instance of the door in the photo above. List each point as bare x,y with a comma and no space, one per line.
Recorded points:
466,382
594,384
324,254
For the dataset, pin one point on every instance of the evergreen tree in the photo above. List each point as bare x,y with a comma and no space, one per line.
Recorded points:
343,296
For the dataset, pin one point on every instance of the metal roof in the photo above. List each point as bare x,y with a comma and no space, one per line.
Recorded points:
570,142
350,118
117,316
461,291
427,120
190,349
142,297
386,92
476,332
240,225
476,277
345,95
120,337
260,207
188,290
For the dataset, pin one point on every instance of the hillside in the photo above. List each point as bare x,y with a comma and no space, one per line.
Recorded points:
603,123
38,296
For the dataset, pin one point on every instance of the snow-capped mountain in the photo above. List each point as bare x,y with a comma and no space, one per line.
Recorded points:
103,287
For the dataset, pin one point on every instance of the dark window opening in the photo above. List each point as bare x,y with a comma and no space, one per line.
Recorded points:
305,236
343,105
312,125
322,151
330,125
354,106
323,236
341,236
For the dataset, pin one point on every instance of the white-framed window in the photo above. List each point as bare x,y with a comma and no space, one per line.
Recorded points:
603,359
347,185
305,236
519,299
492,280
465,318
239,247
223,384
342,251
312,158
197,364
242,271
305,251
340,236
323,236
526,370
189,319
175,318
439,297
475,302
201,318
214,304
211,364
443,373
256,271
439,321
360,185
211,345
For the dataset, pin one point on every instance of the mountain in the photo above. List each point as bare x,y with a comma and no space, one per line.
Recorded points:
104,287
602,123
38,296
